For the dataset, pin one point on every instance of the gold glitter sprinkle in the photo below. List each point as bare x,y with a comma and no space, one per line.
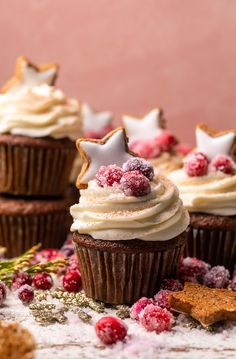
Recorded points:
122,311
85,317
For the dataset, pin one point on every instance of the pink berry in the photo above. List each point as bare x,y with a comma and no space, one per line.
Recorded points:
72,281
133,183
233,283
20,279
161,299
110,329
47,255
25,293
183,149
73,263
141,165
106,130
165,141
196,164
223,164
156,319
138,306
172,285
217,277
43,281
3,292
145,148
92,134
109,175
192,270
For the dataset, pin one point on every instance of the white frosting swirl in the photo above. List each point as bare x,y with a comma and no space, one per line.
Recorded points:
214,193
39,112
106,213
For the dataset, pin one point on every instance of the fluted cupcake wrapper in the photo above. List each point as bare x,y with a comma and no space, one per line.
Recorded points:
18,233
214,246
35,170
122,277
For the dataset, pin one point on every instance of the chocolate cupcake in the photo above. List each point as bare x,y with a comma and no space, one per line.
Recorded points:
150,140
207,186
26,222
128,229
38,125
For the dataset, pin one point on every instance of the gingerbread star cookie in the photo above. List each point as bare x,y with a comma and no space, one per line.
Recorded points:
144,128
28,75
95,121
213,143
111,149
204,304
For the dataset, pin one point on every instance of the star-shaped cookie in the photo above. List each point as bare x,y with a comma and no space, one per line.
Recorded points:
214,143
111,149
207,305
94,121
144,128
28,75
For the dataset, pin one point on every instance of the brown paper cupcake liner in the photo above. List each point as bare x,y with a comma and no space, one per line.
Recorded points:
122,272
35,167
212,239
32,223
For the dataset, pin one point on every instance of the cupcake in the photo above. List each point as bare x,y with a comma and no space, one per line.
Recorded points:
150,140
207,185
128,228
38,126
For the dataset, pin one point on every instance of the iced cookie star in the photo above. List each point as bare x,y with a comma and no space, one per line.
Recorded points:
111,149
94,121
28,75
204,304
212,143
144,128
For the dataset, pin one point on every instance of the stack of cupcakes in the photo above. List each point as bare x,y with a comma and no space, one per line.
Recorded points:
38,125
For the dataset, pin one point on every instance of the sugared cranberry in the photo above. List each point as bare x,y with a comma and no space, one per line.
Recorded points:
73,263
141,165
165,141
25,293
183,149
233,283
43,281
72,281
156,319
109,175
217,277
192,270
110,330
92,134
3,292
223,164
47,255
20,279
161,299
196,164
173,285
106,130
138,306
133,183
145,148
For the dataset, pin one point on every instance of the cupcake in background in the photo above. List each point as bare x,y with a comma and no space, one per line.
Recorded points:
207,185
151,140
38,126
128,227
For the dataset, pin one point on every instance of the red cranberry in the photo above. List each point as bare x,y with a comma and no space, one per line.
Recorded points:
109,175
172,285
92,134
47,255
145,148
165,141
43,281
156,319
25,293
196,164
217,277
110,329
183,149
162,299
192,269
233,283
223,164
133,183
20,279
106,130
138,306
72,281
141,165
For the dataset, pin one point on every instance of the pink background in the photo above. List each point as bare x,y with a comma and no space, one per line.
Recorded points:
132,55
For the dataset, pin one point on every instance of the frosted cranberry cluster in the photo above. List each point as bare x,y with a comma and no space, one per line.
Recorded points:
197,164
133,178
99,134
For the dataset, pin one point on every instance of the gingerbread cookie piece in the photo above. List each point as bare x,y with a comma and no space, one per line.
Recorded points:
147,127
28,75
15,342
204,304
111,149
213,143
